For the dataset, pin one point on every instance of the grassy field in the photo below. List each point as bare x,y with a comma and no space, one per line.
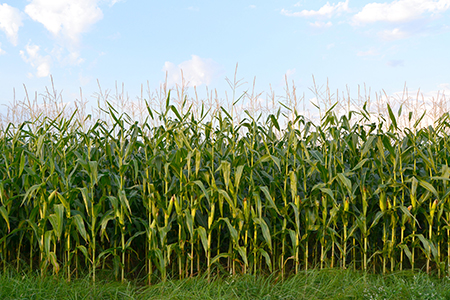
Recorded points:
315,284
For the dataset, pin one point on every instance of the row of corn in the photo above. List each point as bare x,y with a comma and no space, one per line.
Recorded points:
202,195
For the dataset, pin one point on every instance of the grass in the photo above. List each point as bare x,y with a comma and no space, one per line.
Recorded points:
316,284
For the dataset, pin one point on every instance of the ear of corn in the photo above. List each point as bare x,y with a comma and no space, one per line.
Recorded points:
189,197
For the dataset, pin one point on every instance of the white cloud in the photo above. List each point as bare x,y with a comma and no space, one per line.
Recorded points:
319,24
399,10
10,21
196,71
114,2
66,57
41,63
445,87
393,34
66,18
327,11
1,50
252,6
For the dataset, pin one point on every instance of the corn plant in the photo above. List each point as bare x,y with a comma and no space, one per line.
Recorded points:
201,194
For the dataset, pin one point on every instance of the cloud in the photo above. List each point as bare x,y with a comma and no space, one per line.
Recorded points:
41,63
1,50
393,34
10,21
252,6
319,24
66,56
114,2
399,11
396,63
66,18
326,11
196,71
445,87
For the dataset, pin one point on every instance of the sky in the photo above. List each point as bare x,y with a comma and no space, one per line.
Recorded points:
80,43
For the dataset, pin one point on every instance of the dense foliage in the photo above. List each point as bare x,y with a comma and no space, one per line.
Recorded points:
196,195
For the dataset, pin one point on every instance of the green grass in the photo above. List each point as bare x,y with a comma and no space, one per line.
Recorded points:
325,284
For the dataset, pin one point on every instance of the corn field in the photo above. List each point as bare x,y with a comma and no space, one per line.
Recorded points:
198,196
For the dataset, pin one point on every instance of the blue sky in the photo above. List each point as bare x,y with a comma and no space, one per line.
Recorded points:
382,44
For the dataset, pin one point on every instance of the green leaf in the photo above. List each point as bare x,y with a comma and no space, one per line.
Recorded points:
429,187
392,117
22,163
294,239
428,246
47,239
64,202
275,122
328,191
232,230
267,257
201,231
53,261
219,256
5,216
189,222
30,192
57,220
227,198
266,192
104,221
419,120
124,200
79,223
377,218
268,157
347,183
408,213
130,240
265,230
360,164
238,176
243,254
368,145
84,251
106,253
87,201
160,262
293,179
202,187
93,171
406,250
